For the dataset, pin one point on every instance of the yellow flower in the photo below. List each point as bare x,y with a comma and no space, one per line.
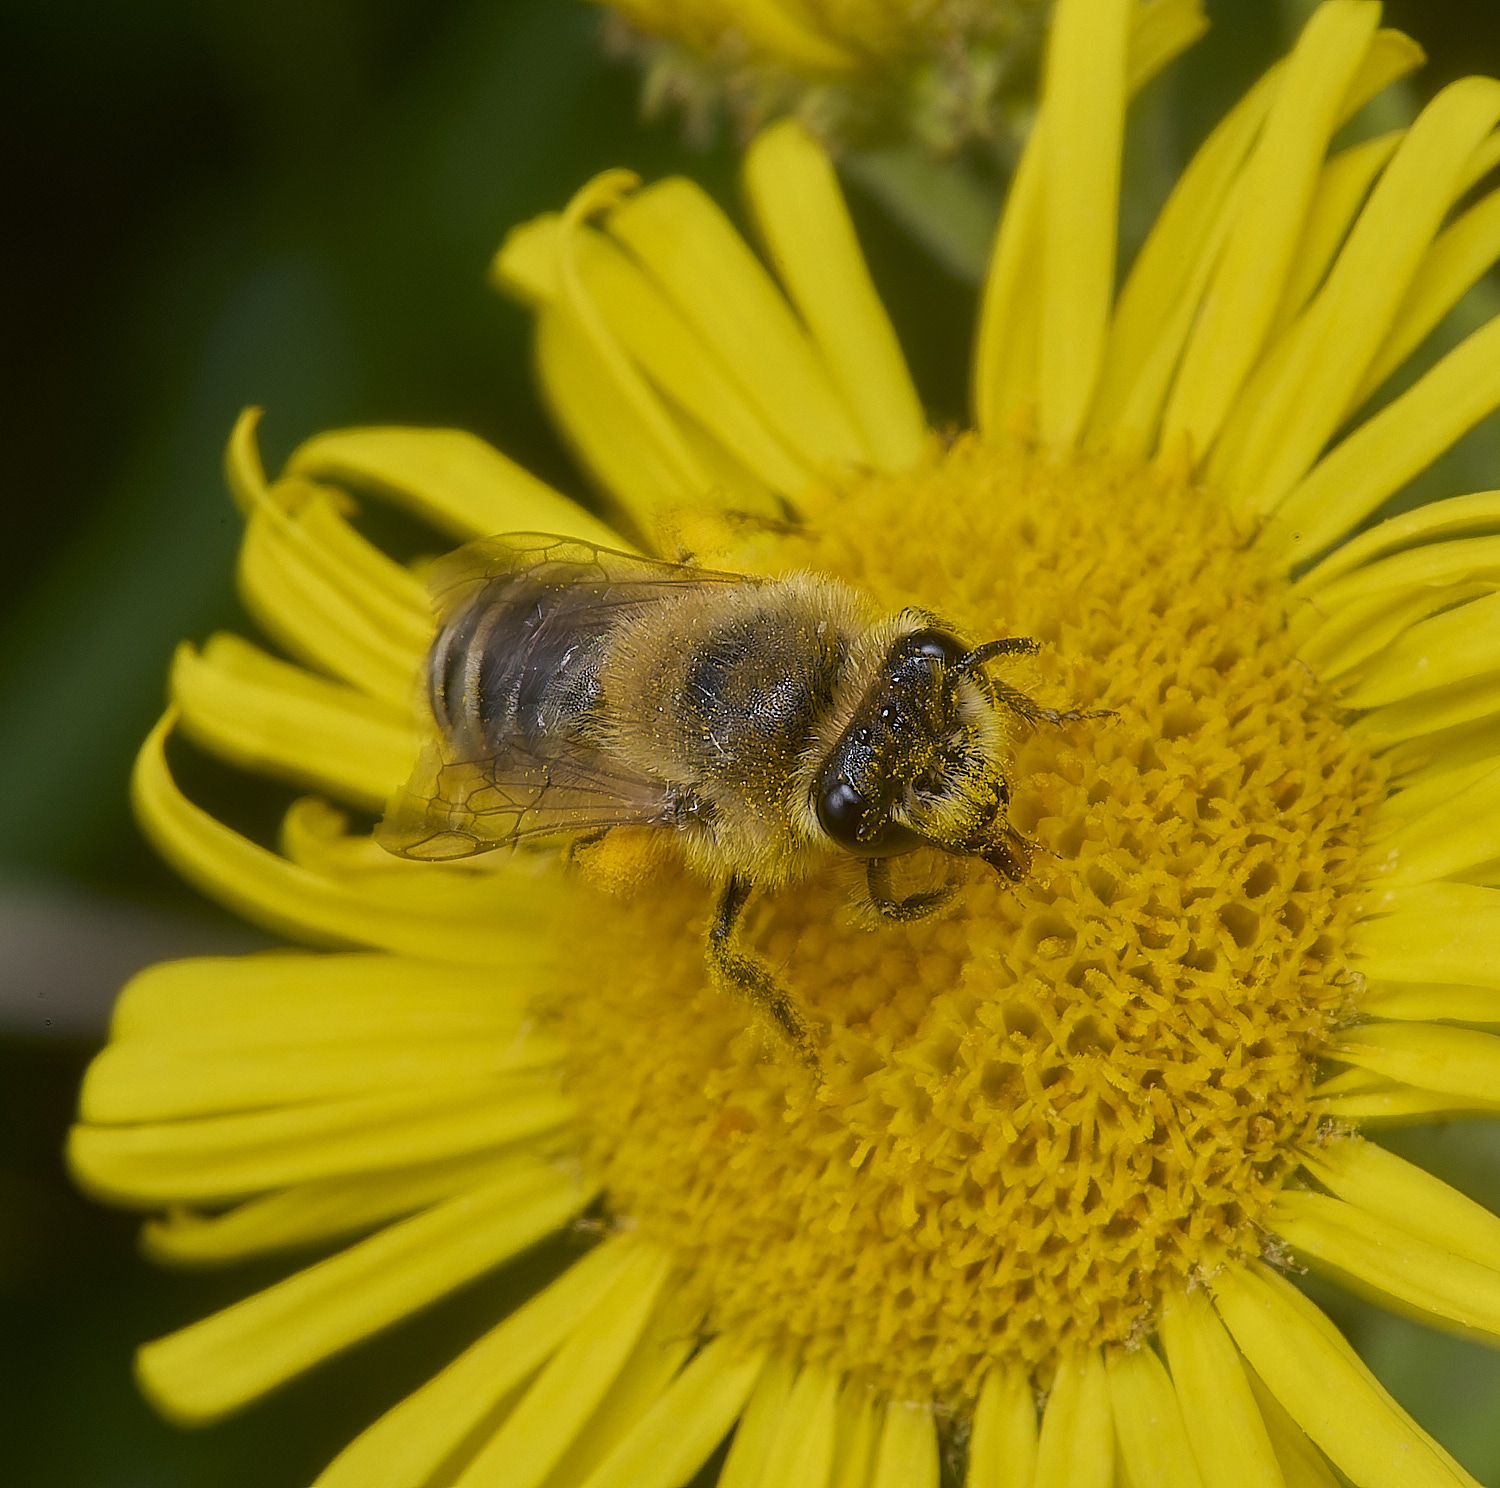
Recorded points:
861,71
1058,1143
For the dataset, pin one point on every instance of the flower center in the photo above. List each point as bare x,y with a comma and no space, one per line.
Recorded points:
1037,1114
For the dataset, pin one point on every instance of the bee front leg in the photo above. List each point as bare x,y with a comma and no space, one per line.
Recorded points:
914,906
750,978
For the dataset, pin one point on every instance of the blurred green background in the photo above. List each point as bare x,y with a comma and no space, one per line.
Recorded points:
293,204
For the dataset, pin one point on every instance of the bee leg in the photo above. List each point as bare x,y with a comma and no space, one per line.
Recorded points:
748,977
914,906
1009,854
1024,706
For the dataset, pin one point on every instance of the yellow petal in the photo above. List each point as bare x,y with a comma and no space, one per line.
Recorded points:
572,1384
580,311
756,1433
1455,646
1391,55
154,1080
801,1456
908,1455
1076,1446
800,214
1223,1423
1342,189
1461,832
300,996
666,1345
1481,163
606,432
1352,1080
454,480
1005,365
311,1212
698,260
1380,1183
226,1360
596,389
228,1157
409,1443
525,264
1456,757
1435,933
1424,1002
275,719
1431,1281
1459,257
1342,330
243,472
1281,176
317,523
1160,286
1430,712
1005,354
1085,108
494,890
1159,304
857,1440
1002,1450
1384,453
1153,1441
1160,31
1322,1386
666,347
1460,516
1355,632
1432,563
1395,1104
273,892
1131,423
318,602
1302,1464
771,28
677,1435
1430,1056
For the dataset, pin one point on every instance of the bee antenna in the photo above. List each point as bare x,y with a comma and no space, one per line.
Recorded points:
1006,646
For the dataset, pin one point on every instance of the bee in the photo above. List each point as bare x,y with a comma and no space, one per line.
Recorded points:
762,722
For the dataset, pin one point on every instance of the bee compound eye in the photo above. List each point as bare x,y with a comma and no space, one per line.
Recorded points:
843,811
938,644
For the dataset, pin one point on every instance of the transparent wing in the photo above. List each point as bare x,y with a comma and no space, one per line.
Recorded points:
515,704
457,808
600,584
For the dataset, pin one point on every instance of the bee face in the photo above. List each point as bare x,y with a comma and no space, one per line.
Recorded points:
918,763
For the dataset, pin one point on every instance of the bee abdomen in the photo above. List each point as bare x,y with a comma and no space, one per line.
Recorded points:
514,664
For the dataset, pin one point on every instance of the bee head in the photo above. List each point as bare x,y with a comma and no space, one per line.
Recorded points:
920,760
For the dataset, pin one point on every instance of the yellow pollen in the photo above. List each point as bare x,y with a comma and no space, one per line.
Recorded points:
1038,1114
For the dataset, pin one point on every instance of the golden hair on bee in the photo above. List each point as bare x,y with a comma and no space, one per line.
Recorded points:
755,724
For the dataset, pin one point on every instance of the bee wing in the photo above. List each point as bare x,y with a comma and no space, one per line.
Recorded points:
457,808
602,583
521,616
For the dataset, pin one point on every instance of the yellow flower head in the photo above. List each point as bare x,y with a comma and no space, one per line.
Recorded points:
860,71
1029,1206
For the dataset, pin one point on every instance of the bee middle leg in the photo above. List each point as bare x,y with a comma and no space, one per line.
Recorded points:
1026,707
914,906
748,977
1009,853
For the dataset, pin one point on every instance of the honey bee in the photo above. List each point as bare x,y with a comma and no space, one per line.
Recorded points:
762,722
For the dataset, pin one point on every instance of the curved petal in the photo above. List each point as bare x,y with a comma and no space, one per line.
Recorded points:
452,479
214,1366
1324,1388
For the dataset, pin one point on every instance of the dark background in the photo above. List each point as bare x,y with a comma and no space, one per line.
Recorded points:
214,204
